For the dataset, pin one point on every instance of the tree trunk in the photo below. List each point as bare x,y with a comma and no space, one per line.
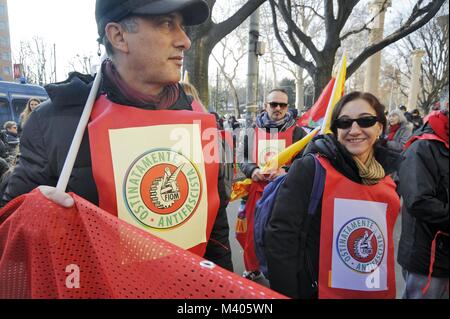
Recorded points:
299,90
237,113
274,70
196,63
204,37
321,78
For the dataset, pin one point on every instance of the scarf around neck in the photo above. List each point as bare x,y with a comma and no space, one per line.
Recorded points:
162,101
264,121
370,172
392,130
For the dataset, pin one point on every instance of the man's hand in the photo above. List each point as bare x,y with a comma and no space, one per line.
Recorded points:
257,176
56,196
271,174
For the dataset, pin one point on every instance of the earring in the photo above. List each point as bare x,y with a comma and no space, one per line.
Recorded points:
99,51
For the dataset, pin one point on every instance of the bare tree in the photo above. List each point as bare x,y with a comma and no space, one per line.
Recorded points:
433,39
277,57
229,68
334,18
42,58
36,56
22,56
204,37
82,63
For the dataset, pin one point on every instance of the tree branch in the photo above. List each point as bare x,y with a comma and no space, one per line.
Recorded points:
365,26
310,8
292,26
220,30
428,12
298,58
344,11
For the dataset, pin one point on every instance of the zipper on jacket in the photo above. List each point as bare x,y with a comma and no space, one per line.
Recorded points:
310,271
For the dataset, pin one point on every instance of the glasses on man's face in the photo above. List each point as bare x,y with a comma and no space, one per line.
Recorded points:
274,105
366,121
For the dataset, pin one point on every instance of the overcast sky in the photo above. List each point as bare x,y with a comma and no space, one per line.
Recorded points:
68,24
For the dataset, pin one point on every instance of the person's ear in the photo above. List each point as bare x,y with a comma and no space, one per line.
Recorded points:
115,34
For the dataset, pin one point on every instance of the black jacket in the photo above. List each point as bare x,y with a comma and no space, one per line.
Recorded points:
287,273
245,148
4,151
46,140
423,185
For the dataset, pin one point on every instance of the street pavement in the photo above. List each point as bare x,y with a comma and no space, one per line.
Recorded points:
236,249
237,253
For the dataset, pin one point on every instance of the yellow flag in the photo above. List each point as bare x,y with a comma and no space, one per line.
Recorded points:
240,189
288,153
336,95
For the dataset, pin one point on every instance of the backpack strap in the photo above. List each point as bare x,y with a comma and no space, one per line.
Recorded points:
317,189
315,198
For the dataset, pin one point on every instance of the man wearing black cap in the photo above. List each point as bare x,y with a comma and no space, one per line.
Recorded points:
128,162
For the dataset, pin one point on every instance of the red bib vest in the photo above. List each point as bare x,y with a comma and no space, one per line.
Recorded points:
268,145
157,170
426,136
356,238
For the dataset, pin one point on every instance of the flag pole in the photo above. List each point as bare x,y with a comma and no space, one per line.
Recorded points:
337,88
76,142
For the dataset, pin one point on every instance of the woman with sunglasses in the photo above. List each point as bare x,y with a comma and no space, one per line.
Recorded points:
342,247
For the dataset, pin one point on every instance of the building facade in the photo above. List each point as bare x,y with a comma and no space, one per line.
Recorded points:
6,71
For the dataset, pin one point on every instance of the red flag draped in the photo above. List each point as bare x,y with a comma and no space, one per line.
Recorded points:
47,251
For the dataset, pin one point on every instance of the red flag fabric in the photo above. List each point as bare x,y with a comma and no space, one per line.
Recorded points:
47,251
246,239
314,116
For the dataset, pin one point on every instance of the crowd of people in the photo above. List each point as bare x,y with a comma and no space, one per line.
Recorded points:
375,165
10,139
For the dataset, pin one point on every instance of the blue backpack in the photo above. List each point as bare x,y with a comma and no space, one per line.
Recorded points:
264,207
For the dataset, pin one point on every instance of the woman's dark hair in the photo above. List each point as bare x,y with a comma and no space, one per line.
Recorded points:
368,97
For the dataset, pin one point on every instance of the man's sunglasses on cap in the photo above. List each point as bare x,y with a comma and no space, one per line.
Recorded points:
366,121
274,105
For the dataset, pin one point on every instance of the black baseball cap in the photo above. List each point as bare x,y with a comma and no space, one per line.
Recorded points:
193,11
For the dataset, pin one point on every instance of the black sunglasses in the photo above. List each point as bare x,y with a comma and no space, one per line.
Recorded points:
275,104
345,123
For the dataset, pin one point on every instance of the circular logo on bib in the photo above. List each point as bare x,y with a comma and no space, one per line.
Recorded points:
266,154
361,245
162,189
